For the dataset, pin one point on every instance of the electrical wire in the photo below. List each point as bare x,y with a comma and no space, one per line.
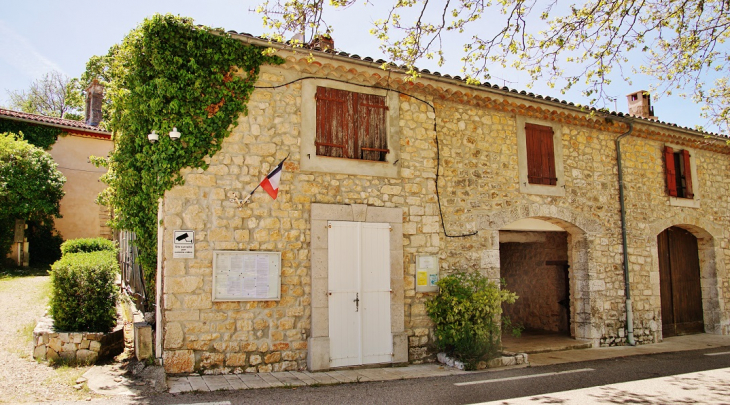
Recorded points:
435,130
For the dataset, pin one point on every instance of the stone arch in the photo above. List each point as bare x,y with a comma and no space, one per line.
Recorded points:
583,283
712,266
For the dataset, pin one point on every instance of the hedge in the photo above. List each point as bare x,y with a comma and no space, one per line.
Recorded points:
83,292
87,245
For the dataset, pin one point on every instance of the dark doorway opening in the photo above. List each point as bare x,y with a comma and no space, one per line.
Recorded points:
679,277
535,266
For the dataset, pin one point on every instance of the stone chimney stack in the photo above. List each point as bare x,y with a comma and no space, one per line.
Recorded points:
94,99
640,105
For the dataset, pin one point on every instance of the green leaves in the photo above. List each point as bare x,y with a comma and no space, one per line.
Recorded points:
31,186
466,316
83,293
169,73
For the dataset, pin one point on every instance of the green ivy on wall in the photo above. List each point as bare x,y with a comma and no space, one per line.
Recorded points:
37,135
169,73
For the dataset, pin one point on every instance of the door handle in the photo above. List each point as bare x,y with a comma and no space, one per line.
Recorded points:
357,302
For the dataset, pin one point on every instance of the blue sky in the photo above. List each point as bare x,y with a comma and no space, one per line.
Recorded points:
37,36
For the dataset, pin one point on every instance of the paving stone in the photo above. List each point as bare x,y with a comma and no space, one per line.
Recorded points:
324,378
288,380
178,385
235,381
197,383
271,380
305,377
254,381
344,376
217,382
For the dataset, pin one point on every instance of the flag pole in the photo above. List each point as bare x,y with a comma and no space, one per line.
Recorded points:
248,197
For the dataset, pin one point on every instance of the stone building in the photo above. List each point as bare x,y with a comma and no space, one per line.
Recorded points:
382,171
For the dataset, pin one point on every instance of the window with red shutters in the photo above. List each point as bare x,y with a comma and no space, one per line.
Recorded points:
540,155
351,125
678,171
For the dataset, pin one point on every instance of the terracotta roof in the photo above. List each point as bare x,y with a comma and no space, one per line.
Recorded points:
494,87
69,126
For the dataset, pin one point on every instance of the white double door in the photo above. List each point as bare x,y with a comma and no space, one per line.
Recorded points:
359,293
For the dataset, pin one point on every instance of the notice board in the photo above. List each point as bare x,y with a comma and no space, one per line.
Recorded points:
241,275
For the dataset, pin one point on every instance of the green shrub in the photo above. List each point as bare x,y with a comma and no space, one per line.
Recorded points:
87,245
466,313
83,293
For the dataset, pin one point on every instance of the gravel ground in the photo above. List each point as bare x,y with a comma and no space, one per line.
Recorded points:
22,379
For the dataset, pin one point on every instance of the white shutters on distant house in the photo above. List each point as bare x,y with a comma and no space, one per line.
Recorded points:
359,293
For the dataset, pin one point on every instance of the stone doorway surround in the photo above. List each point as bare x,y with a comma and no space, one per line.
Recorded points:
712,267
584,282
318,356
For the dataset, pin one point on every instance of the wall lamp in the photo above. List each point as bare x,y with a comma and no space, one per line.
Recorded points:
154,136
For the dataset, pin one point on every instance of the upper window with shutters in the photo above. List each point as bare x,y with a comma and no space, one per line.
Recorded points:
681,176
351,125
540,154
349,129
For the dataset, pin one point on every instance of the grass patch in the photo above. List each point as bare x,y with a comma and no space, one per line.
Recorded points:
26,332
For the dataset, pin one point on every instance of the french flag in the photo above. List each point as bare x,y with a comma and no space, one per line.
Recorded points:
271,182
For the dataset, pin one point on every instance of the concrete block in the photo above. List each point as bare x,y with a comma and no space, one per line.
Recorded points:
320,322
319,264
318,358
385,215
359,212
400,347
319,234
142,340
332,212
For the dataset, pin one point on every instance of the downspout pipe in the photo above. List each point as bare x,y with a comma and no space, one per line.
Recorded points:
627,286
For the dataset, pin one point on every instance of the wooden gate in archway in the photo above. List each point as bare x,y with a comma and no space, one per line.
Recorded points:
679,274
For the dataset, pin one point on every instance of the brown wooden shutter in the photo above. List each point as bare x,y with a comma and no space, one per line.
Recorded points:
688,192
334,122
540,154
669,171
371,127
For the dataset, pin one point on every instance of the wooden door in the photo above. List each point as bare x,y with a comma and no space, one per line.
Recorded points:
359,293
679,277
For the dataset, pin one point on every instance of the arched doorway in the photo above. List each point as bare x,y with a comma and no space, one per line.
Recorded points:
542,259
680,284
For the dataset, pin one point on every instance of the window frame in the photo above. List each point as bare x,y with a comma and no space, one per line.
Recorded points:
558,189
310,161
694,201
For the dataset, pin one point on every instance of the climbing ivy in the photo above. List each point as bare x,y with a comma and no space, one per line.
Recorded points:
37,135
169,73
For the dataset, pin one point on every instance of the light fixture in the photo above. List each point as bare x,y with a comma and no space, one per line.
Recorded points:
153,136
174,135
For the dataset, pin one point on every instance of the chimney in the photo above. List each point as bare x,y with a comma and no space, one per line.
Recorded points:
323,42
640,105
94,99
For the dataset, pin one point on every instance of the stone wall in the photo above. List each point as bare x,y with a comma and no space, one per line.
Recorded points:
476,130
75,347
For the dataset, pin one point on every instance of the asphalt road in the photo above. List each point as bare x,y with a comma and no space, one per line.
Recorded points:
472,388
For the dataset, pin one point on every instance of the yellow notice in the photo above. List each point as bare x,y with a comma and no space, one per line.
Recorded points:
421,278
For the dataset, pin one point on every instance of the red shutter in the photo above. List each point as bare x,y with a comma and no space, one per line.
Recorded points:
540,154
350,125
371,127
333,125
688,192
669,170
